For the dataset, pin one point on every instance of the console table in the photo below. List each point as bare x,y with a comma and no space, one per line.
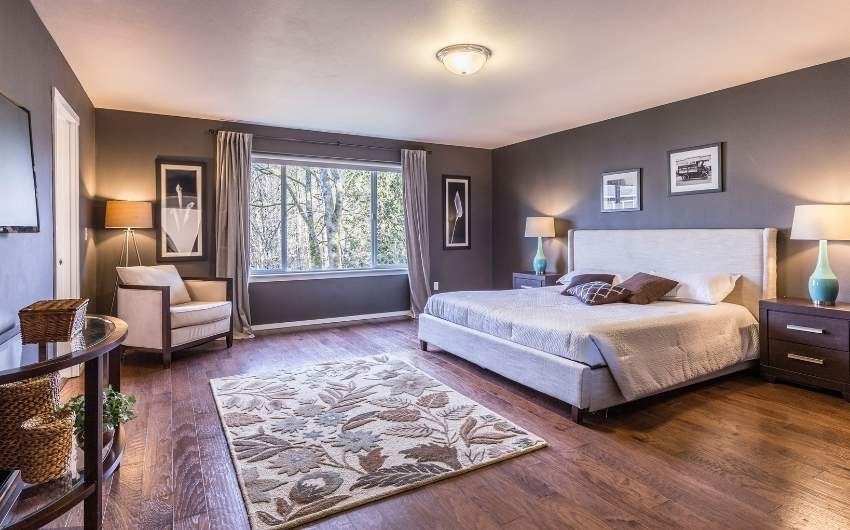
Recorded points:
98,348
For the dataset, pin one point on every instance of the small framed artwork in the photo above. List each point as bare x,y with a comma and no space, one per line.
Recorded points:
621,191
457,230
695,170
181,192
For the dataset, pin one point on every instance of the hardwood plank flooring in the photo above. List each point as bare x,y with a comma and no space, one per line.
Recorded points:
733,453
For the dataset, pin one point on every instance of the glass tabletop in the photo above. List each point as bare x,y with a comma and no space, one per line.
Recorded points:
14,354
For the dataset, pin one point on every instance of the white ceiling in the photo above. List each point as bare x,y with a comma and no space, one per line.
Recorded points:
367,66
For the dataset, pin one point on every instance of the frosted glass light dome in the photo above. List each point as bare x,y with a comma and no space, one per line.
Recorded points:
464,59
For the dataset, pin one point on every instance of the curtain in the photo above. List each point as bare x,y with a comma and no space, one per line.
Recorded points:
417,239
233,174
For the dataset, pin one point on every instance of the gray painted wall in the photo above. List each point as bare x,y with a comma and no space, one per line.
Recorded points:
787,142
30,66
129,143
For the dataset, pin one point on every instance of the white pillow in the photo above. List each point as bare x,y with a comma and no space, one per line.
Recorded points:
700,288
566,278
159,275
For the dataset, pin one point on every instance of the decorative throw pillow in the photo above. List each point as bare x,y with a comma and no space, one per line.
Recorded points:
580,279
647,288
598,293
159,275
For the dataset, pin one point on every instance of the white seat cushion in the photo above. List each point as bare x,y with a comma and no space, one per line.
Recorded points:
194,313
158,275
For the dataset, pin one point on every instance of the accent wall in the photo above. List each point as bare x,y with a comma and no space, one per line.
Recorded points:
786,142
30,66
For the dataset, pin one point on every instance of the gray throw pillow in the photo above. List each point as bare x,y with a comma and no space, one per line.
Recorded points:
598,293
580,279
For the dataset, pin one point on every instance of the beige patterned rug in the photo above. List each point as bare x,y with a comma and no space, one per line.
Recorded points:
318,440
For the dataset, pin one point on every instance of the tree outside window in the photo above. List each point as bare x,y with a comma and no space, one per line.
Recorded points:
327,216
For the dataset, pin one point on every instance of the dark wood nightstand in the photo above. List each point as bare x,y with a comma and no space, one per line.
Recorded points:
528,280
804,343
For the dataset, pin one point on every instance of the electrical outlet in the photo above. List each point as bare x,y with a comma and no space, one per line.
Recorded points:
436,286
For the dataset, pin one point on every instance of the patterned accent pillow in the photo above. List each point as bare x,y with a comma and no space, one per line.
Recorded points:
580,279
598,293
647,288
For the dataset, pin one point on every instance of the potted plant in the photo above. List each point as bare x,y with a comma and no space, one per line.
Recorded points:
117,409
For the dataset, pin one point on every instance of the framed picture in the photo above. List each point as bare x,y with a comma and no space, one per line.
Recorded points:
695,170
621,191
457,231
181,192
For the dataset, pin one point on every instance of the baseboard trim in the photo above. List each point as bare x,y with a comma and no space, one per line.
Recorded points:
301,324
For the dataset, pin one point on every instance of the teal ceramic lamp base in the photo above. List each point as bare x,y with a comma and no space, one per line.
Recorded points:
823,284
540,258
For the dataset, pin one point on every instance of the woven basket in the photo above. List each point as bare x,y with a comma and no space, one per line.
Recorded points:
46,442
52,320
19,402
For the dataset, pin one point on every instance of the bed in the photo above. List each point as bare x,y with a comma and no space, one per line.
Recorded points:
596,357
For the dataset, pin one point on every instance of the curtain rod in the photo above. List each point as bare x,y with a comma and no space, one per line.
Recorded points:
336,143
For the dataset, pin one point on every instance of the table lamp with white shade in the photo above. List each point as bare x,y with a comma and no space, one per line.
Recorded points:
539,227
822,222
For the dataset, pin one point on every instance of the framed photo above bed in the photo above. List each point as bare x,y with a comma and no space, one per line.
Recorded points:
695,170
181,192
457,227
621,191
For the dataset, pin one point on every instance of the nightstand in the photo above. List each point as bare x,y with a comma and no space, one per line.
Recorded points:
528,280
806,344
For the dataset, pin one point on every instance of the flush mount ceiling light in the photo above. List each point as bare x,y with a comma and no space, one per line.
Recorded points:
464,59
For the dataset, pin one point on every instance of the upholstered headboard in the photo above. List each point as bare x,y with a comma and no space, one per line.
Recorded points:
750,252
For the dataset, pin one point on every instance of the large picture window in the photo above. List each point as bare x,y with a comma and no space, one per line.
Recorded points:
323,215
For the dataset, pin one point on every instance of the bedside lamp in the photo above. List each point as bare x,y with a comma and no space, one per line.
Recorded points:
822,222
127,215
539,227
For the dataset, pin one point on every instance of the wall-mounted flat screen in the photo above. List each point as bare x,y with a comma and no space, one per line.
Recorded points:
18,205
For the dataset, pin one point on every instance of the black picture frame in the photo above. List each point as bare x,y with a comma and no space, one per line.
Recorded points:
453,184
720,185
186,167
639,183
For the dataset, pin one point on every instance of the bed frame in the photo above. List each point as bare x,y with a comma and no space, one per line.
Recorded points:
750,252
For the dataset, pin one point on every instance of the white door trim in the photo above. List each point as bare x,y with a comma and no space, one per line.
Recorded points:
66,191
66,203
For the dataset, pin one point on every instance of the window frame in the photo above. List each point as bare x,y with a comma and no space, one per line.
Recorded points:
376,269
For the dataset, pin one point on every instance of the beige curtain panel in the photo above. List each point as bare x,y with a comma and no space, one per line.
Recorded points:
233,174
415,179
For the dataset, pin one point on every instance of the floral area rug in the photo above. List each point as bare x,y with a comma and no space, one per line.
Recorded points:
318,440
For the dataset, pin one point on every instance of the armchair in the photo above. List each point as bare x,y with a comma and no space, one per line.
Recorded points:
183,313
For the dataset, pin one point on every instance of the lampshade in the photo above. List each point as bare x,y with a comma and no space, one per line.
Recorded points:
539,227
821,221
128,214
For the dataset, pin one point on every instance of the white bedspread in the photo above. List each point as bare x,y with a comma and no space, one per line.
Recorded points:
647,348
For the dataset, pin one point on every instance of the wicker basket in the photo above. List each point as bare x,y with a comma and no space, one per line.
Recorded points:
52,320
19,402
46,443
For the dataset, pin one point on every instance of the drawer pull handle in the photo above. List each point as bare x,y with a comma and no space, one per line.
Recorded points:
526,287
805,359
795,327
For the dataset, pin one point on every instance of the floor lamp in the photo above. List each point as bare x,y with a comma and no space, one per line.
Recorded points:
127,215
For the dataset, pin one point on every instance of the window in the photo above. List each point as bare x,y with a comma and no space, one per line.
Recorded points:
322,215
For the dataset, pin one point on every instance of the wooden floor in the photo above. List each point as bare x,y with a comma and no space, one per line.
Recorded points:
734,453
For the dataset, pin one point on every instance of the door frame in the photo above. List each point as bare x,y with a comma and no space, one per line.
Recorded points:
66,195
66,165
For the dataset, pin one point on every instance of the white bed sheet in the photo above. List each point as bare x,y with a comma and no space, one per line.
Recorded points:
546,320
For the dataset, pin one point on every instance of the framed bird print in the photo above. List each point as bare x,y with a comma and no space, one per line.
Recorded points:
457,225
181,192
